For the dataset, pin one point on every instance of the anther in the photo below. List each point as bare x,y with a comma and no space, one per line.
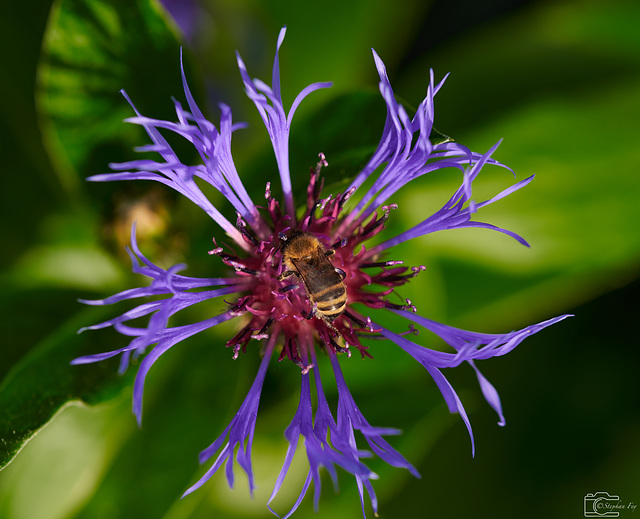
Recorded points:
411,331
320,203
238,267
337,348
242,227
340,243
283,234
262,333
370,325
346,196
305,368
322,162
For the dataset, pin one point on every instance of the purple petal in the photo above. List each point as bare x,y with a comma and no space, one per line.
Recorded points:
406,149
490,394
452,400
320,452
349,416
457,212
240,430
485,345
166,339
268,101
469,347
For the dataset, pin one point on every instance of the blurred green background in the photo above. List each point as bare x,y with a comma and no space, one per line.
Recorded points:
559,81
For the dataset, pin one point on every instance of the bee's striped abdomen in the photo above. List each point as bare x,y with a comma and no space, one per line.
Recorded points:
331,301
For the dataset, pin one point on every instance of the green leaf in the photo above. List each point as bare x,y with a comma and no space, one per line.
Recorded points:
575,130
44,381
91,51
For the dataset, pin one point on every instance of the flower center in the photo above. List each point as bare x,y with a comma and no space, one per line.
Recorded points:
303,278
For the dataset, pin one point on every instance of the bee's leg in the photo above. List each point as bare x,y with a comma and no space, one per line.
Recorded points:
288,288
342,273
285,274
329,252
312,313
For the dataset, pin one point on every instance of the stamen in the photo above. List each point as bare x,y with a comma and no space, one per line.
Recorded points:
346,196
411,305
397,276
340,243
322,202
315,188
239,307
266,325
381,264
274,211
322,162
305,367
240,340
310,315
285,352
227,258
339,349
262,333
290,350
411,331
262,313
242,227
355,319
395,306
239,268
380,221
282,235
375,225
370,325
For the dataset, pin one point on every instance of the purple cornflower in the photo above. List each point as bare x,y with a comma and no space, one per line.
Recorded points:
295,319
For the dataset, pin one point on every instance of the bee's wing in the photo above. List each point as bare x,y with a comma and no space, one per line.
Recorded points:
317,274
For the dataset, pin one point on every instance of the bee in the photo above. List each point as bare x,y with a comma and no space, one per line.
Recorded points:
304,256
